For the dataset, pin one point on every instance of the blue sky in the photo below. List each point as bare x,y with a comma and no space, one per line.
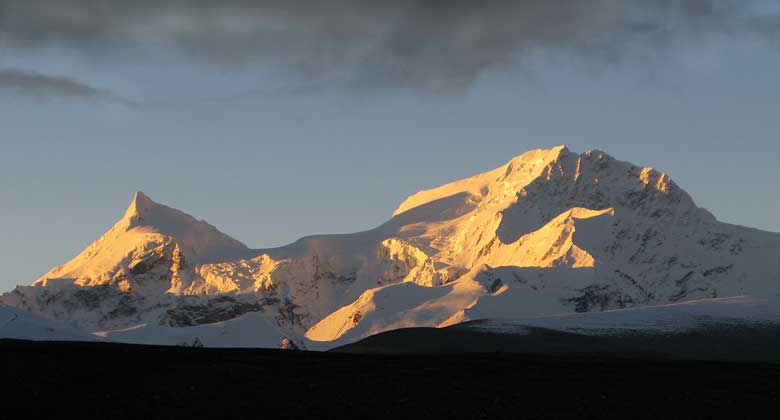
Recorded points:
267,164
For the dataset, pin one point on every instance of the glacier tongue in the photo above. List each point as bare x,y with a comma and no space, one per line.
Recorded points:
550,231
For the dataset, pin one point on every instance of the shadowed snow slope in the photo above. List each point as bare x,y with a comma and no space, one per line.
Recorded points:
551,231
21,325
248,330
670,318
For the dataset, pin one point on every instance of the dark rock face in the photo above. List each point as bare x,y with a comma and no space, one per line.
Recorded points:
291,314
89,299
222,308
599,298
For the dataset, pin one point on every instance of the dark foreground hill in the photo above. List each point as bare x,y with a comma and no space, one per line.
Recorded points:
113,381
719,340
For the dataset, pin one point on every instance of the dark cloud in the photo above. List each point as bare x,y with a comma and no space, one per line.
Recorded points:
439,45
43,86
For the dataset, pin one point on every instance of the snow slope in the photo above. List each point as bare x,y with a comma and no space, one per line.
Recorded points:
21,325
669,318
551,231
248,330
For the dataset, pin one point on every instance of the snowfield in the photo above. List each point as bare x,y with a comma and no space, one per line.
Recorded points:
19,324
249,330
661,319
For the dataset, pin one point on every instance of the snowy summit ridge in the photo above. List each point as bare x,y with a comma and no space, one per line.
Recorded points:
551,231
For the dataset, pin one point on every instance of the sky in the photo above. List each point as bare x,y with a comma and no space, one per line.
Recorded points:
275,120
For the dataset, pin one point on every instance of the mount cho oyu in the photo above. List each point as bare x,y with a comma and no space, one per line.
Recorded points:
549,232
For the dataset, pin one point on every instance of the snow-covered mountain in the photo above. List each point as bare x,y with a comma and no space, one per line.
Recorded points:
551,231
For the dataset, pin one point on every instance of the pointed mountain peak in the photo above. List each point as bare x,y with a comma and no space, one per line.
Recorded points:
143,211
140,206
141,198
200,241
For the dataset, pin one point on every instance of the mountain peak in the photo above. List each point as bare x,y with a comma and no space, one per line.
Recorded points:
142,198
518,172
146,234
139,206
200,240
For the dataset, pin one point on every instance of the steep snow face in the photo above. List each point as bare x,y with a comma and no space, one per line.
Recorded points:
21,325
550,231
399,306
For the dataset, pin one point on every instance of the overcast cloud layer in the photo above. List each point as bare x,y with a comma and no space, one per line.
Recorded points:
434,45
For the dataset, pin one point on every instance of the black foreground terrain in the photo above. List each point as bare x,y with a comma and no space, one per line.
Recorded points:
715,341
115,381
